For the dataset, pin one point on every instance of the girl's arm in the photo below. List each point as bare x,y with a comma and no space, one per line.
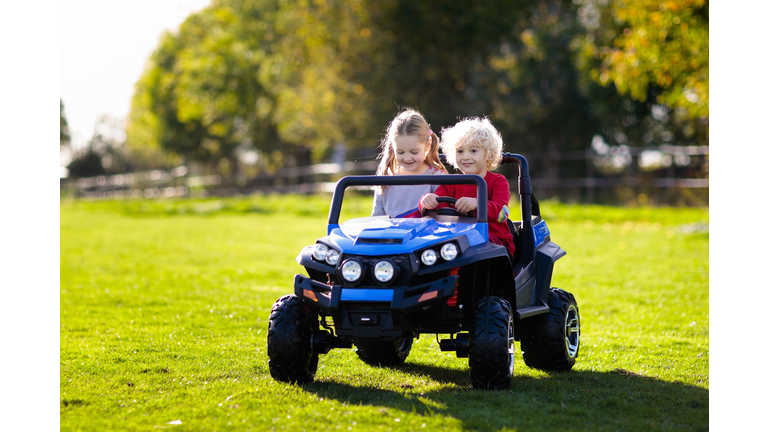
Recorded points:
378,205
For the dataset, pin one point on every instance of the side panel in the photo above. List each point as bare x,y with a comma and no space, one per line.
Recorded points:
546,255
525,282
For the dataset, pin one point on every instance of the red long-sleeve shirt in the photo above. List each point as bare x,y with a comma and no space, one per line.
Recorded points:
498,212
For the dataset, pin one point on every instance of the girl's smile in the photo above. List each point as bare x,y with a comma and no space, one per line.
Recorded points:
410,154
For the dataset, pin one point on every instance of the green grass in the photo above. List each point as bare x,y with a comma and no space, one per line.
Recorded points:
165,307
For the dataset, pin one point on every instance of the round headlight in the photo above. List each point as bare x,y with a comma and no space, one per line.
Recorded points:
449,251
428,257
384,271
351,270
332,257
319,251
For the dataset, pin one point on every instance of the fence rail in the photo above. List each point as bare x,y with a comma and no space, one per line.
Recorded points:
322,178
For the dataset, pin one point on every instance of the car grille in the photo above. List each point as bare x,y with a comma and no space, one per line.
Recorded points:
403,263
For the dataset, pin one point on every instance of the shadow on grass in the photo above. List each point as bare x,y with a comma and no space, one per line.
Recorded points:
575,400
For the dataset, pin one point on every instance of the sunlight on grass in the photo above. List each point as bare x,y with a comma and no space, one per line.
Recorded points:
165,307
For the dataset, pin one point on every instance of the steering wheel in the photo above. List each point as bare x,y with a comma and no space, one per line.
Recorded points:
444,211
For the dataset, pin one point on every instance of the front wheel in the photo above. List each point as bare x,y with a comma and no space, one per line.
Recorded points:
289,340
492,344
383,353
551,341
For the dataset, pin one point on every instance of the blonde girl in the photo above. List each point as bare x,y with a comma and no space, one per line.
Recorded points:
409,148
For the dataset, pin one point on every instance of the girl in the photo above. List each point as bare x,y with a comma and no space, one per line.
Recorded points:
409,148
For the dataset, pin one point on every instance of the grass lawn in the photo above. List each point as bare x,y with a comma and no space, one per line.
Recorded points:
164,310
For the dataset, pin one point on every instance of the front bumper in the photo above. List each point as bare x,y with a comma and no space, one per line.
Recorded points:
361,312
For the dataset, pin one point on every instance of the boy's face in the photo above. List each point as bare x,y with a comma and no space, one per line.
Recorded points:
472,159
410,154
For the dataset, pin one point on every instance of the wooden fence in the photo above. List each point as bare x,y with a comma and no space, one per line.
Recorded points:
321,178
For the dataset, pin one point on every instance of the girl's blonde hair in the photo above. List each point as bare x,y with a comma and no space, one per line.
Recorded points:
475,130
408,123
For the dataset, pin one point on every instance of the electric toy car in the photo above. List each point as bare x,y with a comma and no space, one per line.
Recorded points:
376,283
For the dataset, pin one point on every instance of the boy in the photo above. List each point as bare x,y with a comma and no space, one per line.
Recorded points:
474,147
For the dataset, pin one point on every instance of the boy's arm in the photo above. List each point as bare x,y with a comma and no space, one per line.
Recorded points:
442,190
498,199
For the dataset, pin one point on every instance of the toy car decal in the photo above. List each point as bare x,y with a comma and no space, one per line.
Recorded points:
503,214
540,233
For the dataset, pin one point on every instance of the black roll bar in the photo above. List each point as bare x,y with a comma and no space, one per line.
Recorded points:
528,203
528,200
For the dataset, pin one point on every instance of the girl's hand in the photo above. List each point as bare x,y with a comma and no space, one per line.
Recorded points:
429,201
466,204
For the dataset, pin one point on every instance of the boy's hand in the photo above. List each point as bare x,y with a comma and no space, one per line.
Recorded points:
429,201
466,204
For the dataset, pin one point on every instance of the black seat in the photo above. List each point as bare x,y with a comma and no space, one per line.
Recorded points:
515,230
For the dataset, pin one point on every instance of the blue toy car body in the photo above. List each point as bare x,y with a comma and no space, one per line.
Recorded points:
376,283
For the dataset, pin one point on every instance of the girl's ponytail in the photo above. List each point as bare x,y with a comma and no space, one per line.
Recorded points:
432,157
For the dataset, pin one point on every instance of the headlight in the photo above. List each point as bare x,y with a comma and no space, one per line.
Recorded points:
428,257
319,251
351,270
449,252
332,257
384,271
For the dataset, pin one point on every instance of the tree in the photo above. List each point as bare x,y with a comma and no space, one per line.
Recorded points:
644,45
200,96
104,153
290,79
287,78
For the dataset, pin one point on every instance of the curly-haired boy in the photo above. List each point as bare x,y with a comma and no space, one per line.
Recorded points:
474,147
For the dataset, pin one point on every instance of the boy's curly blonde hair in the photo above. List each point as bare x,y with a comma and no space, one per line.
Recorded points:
475,130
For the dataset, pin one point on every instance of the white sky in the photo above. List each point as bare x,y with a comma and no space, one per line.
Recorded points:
104,46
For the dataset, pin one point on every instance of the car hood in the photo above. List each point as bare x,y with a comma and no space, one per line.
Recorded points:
384,236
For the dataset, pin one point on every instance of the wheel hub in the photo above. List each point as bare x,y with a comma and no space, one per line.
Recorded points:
572,331
511,347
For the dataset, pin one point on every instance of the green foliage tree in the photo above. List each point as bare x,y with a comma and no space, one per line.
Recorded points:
291,79
105,152
200,96
646,44
529,84
651,59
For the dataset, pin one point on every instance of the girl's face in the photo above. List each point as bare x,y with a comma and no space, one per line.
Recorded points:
410,154
472,159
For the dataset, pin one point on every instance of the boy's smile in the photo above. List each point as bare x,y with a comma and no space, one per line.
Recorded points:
472,159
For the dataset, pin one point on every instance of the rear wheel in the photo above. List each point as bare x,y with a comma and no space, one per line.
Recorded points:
551,341
492,344
384,353
289,340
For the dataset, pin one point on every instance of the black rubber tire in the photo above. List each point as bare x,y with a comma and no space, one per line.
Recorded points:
384,353
491,344
551,341
289,340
